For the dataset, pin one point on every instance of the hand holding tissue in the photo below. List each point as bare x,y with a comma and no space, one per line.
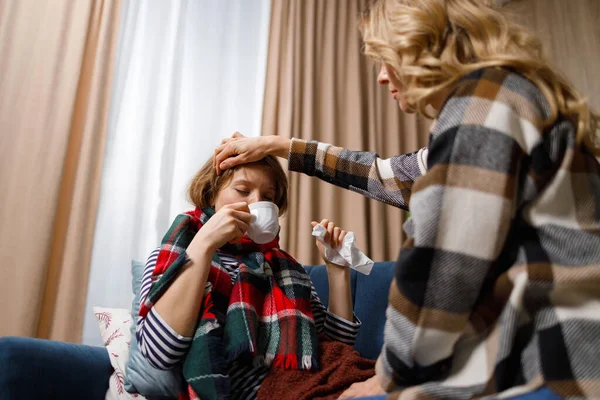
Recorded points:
345,255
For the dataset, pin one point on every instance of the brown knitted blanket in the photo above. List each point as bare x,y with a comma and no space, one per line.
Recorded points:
341,366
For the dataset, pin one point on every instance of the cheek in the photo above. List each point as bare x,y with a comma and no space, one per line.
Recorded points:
225,197
397,84
402,103
219,201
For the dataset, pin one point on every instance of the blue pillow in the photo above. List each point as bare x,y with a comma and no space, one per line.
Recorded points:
140,376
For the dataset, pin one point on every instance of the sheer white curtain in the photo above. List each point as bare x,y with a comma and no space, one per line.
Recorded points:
188,73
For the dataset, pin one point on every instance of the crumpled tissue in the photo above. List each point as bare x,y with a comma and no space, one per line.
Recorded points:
347,254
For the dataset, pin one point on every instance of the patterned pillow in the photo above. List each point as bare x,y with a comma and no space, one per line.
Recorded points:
141,377
115,324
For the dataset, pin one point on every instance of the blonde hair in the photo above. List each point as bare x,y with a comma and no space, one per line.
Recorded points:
206,183
431,44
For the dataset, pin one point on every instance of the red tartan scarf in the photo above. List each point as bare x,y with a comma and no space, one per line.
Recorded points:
264,315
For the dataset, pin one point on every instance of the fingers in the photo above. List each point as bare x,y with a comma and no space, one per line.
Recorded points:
327,237
242,227
238,219
335,240
241,206
222,153
225,151
342,236
231,162
348,393
330,228
334,235
228,155
236,135
239,212
338,237
216,153
358,389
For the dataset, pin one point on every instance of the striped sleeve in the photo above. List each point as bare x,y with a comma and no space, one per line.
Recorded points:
158,342
462,212
147,276
387,180
336,327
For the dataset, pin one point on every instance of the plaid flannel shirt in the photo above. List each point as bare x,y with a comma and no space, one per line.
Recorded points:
498,290
387,180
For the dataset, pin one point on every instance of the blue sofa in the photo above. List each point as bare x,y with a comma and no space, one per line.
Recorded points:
35,368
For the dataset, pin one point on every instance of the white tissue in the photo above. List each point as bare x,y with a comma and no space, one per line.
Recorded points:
347,254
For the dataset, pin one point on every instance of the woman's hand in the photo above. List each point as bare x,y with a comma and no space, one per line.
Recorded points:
239,149
228,224
370,387
334,237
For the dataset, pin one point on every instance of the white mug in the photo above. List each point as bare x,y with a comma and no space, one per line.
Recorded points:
264,225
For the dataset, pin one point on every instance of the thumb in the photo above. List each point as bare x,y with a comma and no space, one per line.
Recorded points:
314,223
237,135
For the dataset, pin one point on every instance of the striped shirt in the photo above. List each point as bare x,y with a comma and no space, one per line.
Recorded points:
164,348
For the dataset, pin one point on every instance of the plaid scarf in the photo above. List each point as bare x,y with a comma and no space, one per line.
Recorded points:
265,315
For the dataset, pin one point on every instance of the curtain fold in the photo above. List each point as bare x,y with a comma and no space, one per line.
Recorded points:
570,34
188,73
320,86
56,66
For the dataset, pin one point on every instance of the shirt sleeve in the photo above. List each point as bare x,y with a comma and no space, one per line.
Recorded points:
334,326
388,180
462,211
158,342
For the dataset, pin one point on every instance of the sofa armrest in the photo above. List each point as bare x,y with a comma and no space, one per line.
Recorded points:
36,368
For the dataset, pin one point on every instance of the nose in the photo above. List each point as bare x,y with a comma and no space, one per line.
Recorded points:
382,77
254,197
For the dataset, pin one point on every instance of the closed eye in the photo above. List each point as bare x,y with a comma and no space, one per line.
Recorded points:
242,192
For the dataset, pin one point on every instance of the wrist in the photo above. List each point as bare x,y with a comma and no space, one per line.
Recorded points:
201,247
278,146
337,271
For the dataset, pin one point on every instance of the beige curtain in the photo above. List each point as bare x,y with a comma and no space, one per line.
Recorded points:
56,62
319,86
570,33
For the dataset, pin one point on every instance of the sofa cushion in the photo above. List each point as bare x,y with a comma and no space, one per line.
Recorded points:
370,305
37,368
369,298
140,376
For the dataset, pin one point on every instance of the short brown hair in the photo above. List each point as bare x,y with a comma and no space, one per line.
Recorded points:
206,183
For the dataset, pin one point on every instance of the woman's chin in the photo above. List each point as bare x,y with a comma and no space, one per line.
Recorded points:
404,107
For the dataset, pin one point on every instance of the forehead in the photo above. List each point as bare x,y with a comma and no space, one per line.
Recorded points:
259,175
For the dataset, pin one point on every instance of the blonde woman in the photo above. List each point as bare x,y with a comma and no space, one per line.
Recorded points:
498,289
